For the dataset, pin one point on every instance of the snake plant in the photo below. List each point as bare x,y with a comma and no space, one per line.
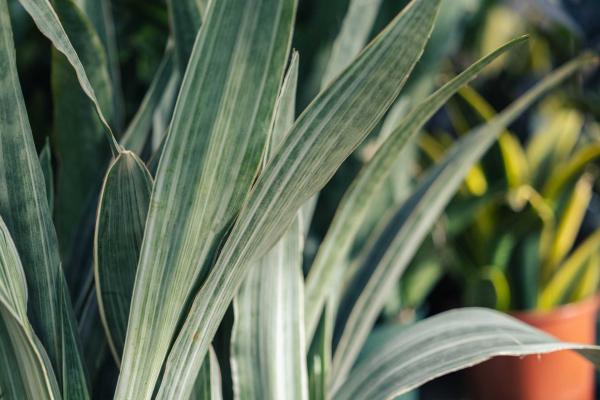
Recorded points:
174,258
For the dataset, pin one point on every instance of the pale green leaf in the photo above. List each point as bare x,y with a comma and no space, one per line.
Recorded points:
267,342
322,137
445,343
24,207
210,159
331,262
26,371
120,222
400,240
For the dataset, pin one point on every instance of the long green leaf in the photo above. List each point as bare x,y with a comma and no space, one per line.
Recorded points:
267,342
49,23
26,371
322,137
24,207
331,261
120,222
401,239
210,159
445,343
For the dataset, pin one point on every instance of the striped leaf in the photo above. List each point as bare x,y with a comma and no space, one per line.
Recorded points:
210,158
322,137
27,373
267,342
388,258
331,263
24,207
445,343
120,222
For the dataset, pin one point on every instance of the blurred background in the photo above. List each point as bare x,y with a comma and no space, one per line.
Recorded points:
522,234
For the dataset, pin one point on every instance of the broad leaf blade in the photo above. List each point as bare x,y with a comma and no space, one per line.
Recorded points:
331,263
401,239
267,342
445,343
24,207
210,159
322,137
26,371
120,222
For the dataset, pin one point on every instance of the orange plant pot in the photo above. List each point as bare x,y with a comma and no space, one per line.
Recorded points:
563,375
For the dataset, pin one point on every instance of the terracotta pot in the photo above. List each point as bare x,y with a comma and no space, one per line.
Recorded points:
563,375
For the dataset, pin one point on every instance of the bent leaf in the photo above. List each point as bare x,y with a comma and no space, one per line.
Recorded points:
26,371
445,343
323,136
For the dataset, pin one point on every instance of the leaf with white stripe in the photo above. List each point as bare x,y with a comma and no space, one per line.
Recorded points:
331,263
25,209
445,343
267,342
210,159
208,382
385,263
320,140
27,372
120,222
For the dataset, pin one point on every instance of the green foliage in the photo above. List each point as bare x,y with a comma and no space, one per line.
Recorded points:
223,224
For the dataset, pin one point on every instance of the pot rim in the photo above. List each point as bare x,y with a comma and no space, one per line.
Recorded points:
589,305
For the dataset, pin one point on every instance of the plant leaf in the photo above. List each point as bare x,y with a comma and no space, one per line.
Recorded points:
267,342
24,207
322,137
332,259
389,257
27,372
210,159
445,343
120,222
